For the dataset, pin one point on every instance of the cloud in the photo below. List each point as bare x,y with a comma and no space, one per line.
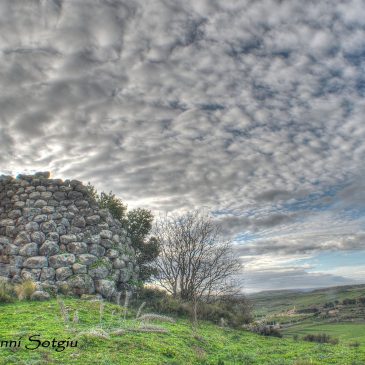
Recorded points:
291,279
251,109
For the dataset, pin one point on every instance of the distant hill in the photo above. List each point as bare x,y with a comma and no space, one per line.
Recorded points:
280,300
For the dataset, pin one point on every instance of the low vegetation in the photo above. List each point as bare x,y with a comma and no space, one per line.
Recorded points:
6,291
110,334
25,289
321,338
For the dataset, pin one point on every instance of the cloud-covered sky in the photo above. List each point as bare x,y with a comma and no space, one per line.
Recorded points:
253,110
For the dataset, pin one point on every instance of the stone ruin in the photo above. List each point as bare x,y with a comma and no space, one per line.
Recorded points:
53,232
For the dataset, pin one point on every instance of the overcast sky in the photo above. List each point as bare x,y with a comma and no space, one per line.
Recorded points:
252,110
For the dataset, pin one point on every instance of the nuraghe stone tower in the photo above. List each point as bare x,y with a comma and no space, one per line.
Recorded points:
54,233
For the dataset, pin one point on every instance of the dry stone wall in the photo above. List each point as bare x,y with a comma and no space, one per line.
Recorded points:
54,233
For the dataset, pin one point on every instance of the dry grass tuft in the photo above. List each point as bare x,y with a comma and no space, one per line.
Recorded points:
118,332
148,317
95,333
25,289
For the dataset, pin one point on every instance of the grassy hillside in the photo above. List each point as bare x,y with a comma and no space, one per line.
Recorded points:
105,337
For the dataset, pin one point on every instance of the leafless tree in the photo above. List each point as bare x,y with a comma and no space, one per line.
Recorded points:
194,263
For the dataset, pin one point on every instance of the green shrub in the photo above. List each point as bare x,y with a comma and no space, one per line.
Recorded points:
160,302
235,311
348,301
354,344
268,331
6,291
329,305
321,338
25,289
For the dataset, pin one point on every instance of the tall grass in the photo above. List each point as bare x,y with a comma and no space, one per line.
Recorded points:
6,291
25,289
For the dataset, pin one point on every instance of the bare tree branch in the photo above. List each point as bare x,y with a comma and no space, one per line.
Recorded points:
194,263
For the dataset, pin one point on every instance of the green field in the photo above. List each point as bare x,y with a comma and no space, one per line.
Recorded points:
348,325
105,337
346,332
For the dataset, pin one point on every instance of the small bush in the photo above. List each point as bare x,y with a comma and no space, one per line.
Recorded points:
6,291
348,301
329,305
235,311
354,344
321,338
25,289
361,300
270,331
160,302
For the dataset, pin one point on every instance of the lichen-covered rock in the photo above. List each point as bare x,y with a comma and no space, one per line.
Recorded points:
97,250
48,273
62,273
106,234
40,295
6,222
79,268
77,247
40,203
105,287
81,284
67,238
38,237
5,240
32,226
49,226
11,249
49,248
112,253
99,271
40,218
65,259
93,219
79,221
30,249
87,259
35,262
118,263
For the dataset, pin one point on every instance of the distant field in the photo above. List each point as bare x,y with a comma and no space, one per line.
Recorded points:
278,301
347,332
287,308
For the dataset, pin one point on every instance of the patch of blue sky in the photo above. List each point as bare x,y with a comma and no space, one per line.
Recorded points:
353,213
331,259
233,212
317,201
221,212
245,237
